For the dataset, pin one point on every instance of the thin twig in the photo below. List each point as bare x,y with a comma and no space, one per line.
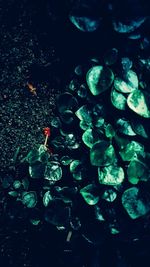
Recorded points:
46,139
69,236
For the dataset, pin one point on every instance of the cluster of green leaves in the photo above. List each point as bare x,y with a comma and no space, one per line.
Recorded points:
38,189
108,111
99,137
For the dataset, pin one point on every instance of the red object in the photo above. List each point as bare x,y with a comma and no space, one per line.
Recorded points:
47,131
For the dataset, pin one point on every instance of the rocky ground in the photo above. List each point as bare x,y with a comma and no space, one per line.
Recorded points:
24,60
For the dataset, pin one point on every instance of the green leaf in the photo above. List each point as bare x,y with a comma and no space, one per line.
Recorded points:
25,183
114,230
84,114
109,131
89,138
135,206
44,155
53,172
99,122
129,84
7,181
17,184
126,64
66,101
16,154
73,85
47,198
84,22
67,116
99,79
98,213
36,170
118,100
13,193
139,103
29,199
59,142
67,193
139,129
89,195
37,154
66,160
57,213
71,141
131,150
78,70
56,123
109,195
102,154
120,141
77,169
82,92
35,221
99,110
124,126
42,149
84,125
111,175
33,156
137,171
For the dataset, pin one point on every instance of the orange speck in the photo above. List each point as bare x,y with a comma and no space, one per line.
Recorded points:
31,88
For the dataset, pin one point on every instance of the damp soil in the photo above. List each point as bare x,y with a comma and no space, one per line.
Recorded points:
24,60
